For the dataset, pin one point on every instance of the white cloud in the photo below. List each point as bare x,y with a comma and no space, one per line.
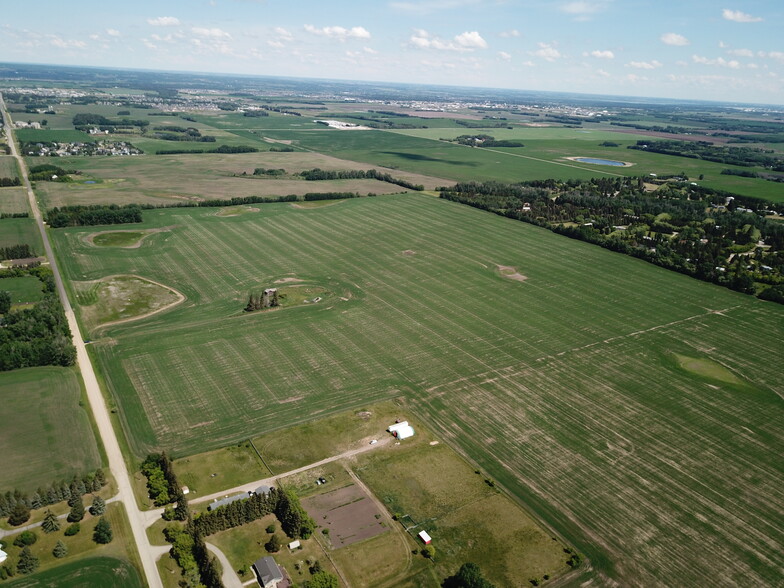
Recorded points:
602,54
602,73
510,33
528,63
430,6
467,41
547,52
644,64
741,52
738,16
581,7
210,33
113,32
66,43
504,55
339,33
719,61
471,39
723,45
164,21
369,50
275,44
775,55
283,34
674,39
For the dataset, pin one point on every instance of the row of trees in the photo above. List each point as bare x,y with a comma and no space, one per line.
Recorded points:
6,182
163,487
221,149
39,335
96,214
20,251
740,156
19,503
317,174
46,172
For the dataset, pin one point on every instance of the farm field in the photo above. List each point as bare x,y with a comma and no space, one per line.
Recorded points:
46,435
8,167
563,387
13,200
173,179
97,572
17,231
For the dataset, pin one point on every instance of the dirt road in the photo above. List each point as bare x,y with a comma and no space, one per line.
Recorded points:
97,403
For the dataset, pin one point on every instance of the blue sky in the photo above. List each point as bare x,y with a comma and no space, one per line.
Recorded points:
698,49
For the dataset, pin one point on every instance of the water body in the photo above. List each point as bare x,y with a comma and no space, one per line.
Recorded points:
90,182
599,161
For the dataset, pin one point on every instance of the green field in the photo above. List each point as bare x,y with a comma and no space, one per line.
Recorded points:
18,231
45,434
8,167
13,200
97,572
565,387
24,290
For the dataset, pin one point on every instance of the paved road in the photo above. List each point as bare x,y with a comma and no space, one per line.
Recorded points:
94,395
385,440
229,576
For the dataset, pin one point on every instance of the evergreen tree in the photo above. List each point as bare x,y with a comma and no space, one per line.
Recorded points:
27,563
20,513
77,512
98,507
100,477
103,532
60,550
50,523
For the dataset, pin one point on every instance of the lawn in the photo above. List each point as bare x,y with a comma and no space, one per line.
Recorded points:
563,388
24,290
46,435
220,469
93,572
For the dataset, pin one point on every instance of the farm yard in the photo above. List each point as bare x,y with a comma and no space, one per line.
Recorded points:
589,390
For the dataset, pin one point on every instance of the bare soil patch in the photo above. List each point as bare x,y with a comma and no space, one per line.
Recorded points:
288,280
409,252
90,239
507,271
236,210
349,513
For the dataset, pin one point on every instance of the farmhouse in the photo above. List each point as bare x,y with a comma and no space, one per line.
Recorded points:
267,572
401,430
227,500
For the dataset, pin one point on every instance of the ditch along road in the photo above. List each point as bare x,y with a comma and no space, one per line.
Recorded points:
117,466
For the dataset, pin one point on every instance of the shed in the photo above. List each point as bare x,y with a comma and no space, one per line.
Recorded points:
425,537
263,489
295,545
401,430
267,572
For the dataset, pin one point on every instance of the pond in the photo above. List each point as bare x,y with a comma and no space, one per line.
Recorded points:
600,161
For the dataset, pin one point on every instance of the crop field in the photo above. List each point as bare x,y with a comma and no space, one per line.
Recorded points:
167,179
8,167
565,387
97,572
13,200
17,231
46,435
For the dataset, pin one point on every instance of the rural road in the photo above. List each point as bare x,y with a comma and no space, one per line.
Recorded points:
229,577
386,440
97,403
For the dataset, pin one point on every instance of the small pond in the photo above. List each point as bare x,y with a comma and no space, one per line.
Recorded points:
599,161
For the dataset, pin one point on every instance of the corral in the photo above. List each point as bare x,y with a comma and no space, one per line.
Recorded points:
544,383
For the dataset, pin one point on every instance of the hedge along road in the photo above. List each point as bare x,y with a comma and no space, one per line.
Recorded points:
97,404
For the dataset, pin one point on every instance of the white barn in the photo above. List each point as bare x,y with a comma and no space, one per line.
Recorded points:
401,430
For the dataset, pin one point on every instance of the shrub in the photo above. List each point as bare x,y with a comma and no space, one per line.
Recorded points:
72,530
25,538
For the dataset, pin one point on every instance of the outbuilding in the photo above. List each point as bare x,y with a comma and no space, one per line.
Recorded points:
425,537
401,430
268,572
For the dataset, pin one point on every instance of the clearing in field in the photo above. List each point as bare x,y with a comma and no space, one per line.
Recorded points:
45,436
560,388
511,273
122,298
127,239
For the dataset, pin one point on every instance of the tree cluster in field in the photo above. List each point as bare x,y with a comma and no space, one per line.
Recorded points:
7,182
740,156
468,576
261,301
14,215
47,171
39,335
679,227
177,133
280,109
263,171
17,504
222,149
162,485
95,214
255,113
486,141
317,174
86,121
21,251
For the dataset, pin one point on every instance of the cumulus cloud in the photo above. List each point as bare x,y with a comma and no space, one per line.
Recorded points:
509,33
214,33
581,7
339,33
369,50
602,54
775,55
430,6
719,61
547,52
674,39
644,64
504,55
113,32
602,73
741,52
738,16
283,34
467,41
164,21
66,43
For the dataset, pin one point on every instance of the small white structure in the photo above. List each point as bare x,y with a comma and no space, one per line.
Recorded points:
186,490
401,430
294,545
425,537
3,556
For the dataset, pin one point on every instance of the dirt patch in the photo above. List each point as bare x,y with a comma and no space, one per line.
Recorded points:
287,280
236,211
409,252
89,239
349,513
282,141
315,204
507,271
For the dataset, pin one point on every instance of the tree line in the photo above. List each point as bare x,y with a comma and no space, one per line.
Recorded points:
317,174
95,214
740,156
39,335
6,182
46,172
20,503
20,251
221,149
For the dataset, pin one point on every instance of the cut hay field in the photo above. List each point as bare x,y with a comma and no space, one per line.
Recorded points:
13,200
172,179
19,231
45,434
570,387
8,167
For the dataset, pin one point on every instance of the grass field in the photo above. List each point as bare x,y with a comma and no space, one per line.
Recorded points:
563,387
8,167
13,200
45,435
19,231
87,563
24,290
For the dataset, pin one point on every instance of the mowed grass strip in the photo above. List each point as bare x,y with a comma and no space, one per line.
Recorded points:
552,368
46,435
